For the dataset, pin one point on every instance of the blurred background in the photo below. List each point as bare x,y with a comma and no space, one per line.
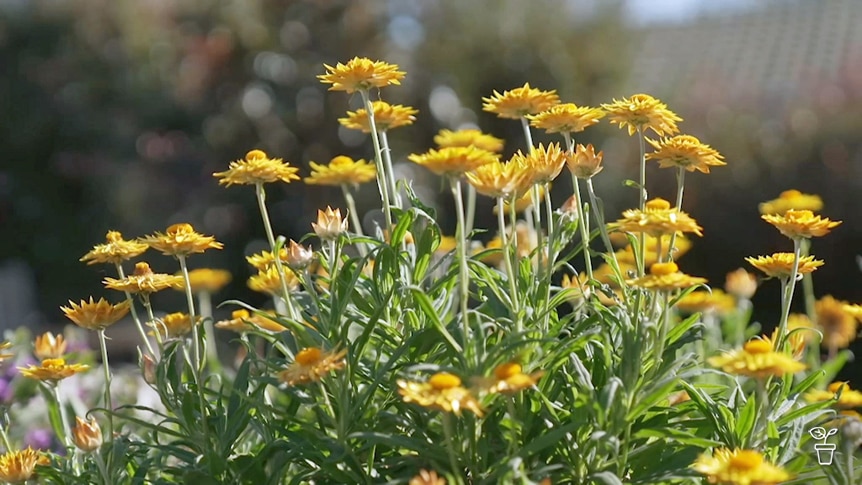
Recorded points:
115,113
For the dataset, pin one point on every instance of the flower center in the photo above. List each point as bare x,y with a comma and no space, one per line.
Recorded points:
658,204
142,269
255,155
746,460
113,236
758,346
663,269
308,356
507,370
443,380
181,228
790,194
238,314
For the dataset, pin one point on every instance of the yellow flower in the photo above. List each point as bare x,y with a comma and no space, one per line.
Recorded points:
685,151
678,397
48,346
361,74
509,378
585,162
5,346
801,321
681,246
20,466
442,391
837,324
426,477
342,170
498,179
566,118
206,279
257,168
543,164
523,202
52,370
739,467
267,281
174,325
386,117
263,260
801,223
241,321
657,218
312,364
87,435
519,102
757,358
666,277
143,280
115,250
850,398
780,265
96,315
329,224
447,245
791,199
579,289
644,112
796,341
468,137
181,240
707,301
453,161
741,284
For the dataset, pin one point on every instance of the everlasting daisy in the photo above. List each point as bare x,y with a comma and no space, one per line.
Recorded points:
174,325
666,277
520,102
739,467
49,346
143,280
850,398
209,280
264,260
312,364
87,435
329,224
115,250
757,358
447,245
579,289
242,321
643,112
442,391
52,370
801,224
386,117
791,199
500,180
96,315
181,240
566,118
837,324
681,246
361,74
796,341
741,284
453,161
468,137
342,170
707,301
585,162
685,151
20,466
509,378
268,281
780,265
801,321
299,256
5,346
657,218
257,168
543,164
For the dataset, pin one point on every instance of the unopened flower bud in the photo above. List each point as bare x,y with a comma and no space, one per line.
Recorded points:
48,346
741,284
87,434
298,256
329,224
148,369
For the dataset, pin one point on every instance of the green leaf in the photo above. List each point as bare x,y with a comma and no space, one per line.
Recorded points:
746,420
430,313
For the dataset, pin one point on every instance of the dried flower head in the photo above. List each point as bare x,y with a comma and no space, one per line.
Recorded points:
757,358
299,256
642,112
115,250
49,346
741,284
848,399
242,321
442,391
361,74
520,102
268,281
836,323
585,162
739,467
426,477
52,370
666,277
342,170
500,180
543,164
453,161
801,224
657,218
181,240
87,435
207,279
173,325
329,224
566,118
20,466
311,364
509,378
96,315
468,137
684,151
255,169
143,280
780,265
791,199
386,117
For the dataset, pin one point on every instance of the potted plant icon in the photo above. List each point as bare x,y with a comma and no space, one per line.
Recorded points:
825,451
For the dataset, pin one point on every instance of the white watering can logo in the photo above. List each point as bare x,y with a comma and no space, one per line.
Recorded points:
825,451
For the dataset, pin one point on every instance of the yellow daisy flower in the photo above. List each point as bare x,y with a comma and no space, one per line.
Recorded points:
741,284
257,168
5,346
684,151
96,315
801,321
426,477
585,162
181,239
519,102
795,340
447,245
263,260
115,250
801,223
268,281
509,378
453,161
543,164
361,74
500,180
739,467
791,199
49,346
850,398
707,301
644,112
681,245
579,289
757,358
20,466
468,137
836,323
209,280
52,370
780,265
657,218
312,364
87,435
173,325
386,117
329,224
666,277
442,391
143,280
342,170
242,321
566,118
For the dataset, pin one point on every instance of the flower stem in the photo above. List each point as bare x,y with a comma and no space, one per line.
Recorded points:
64,420
507,258
354,217
190,301
206,309
382,180
145,300
4,425
787,295
643,198
450,447
603,230
808,285
261,202
582,220
109,403
390,172
134,312
462,263
680,186
471,208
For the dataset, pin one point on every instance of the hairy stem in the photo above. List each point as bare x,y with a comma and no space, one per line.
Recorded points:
390,172
382,180
680,186
354,218
135,317
507,258
270,236
787,295
464,279
109,403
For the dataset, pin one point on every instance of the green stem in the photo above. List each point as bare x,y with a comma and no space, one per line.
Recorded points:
450,447
471,208
354,217
603,230
382,180
270,236
643,198
680,186
762,390
190,301
507,258
390,172
109,403
134,312
145,300
206,307
787,295
64,420
808,285
849,450
582,220
662,331
103,469
551,256
462,262
4,435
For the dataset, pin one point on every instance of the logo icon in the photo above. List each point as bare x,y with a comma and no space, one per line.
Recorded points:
825,451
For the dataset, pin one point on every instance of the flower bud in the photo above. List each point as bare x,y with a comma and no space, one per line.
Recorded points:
585,162
299,256
48,346
329,224
148,369
741,284
87,434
